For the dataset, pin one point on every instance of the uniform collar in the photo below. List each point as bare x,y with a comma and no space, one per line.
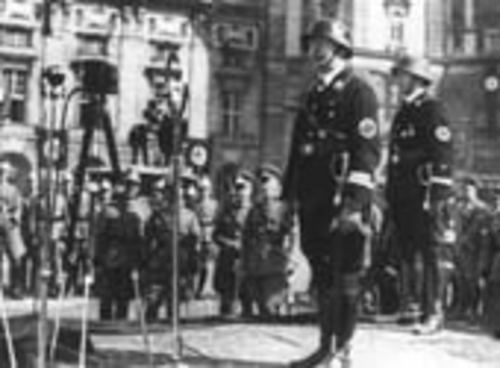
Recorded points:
416,97
335,77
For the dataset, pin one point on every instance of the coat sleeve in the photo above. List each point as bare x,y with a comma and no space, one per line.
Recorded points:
363,149
440,152
291,169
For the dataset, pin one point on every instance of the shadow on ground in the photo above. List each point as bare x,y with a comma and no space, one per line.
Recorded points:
114,358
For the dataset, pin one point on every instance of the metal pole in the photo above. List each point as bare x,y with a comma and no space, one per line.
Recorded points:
177,163
177,353
45,228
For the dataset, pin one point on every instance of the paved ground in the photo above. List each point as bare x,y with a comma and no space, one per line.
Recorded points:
236,344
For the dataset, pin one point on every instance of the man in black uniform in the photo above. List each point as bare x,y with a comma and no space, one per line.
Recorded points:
118,253
334,151
419,186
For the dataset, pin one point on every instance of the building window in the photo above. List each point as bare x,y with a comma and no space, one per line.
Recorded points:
160,51
231,104
16,37
16,81
491,41
92,45
232,60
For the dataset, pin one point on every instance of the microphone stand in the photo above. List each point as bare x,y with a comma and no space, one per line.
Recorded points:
176,111
44,231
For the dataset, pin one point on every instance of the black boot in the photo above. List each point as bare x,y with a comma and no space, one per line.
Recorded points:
326,351
320,356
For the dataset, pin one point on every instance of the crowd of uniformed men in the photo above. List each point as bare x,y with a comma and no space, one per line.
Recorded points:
424,245
237,248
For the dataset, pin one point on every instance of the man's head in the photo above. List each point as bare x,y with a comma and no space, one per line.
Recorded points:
133,183
269,181
470,189
413,73
205,187
6,171
190,192
328,45
243,186
160,194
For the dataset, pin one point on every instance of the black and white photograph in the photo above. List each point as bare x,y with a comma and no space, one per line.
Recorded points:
249,183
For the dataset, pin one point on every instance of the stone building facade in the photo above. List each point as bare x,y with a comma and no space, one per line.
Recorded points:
243,63
218,44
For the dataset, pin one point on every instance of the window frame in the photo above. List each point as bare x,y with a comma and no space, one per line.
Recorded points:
231,107
87,42
14,95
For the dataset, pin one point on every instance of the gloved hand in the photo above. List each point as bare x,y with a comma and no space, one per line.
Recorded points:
349,221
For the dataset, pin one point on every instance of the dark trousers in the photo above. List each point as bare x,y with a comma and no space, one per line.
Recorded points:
423,284
159,294
116,294
336,261
227,280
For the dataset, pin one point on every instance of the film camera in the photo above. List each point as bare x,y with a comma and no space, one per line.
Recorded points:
96,75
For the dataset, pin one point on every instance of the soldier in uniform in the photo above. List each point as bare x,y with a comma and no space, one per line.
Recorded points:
419,187
330,178
206,210
489,267
159,250
118,253
158,256
11,241
228,236
265,255
474,236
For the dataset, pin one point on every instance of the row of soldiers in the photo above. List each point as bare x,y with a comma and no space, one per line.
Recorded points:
468,263
236,248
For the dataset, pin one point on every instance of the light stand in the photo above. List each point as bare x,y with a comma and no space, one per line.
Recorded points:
98,78
52,81
177,102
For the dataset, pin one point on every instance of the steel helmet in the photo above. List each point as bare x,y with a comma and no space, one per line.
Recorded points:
330,29
133,176
417,67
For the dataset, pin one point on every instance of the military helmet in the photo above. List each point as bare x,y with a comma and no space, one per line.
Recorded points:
330,29
417,67
7,169
267,169
132,176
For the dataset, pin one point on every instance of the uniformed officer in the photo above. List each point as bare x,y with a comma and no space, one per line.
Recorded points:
159,250
118,252
490,275
419,186
206,210
11,241
265,255
473,239
228,237
333,154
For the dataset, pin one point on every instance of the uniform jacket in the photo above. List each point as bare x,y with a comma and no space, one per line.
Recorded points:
264,249
11,206
474,238
206,212
229,224
159,240
335,133
118,238
421,152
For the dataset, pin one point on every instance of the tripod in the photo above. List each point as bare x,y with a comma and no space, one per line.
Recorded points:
97,117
